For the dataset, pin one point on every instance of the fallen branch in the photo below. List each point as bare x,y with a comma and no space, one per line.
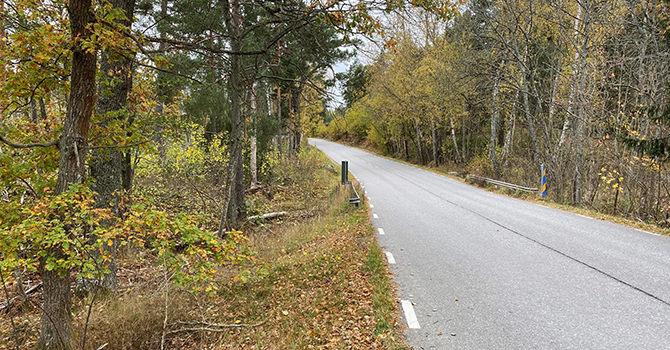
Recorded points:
254,189
209,327
267,216
28,291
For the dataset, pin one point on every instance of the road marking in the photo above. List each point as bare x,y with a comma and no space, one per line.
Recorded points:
390,258
374,216
366,192
410,316
371,206
584,216
381,231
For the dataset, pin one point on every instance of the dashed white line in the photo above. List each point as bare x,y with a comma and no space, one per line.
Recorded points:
410,316
371,205
390,258
381,231
374,216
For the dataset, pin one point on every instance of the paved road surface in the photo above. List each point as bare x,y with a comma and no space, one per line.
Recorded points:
484,271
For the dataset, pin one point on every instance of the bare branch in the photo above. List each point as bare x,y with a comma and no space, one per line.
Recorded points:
27,145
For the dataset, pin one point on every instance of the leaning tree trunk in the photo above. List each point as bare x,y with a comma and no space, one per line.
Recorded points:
56,331
113,92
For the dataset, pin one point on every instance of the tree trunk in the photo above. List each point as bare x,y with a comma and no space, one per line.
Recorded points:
581,113
295,99
106,166
417,133
56,331
234,202
453,139
530,120
161,87
494,129
279,121
434,142
33,111
509,136
573,87
254,139
43,110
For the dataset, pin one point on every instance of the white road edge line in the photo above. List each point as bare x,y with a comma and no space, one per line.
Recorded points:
410,316
374,216
390,258
584,216
381,231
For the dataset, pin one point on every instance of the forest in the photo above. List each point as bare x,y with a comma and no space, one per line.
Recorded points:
507,86
141,142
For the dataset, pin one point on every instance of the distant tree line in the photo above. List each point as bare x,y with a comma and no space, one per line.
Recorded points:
508,85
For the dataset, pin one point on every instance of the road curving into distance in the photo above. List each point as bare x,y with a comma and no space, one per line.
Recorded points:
477,270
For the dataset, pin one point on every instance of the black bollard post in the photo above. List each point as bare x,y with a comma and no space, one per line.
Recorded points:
345,172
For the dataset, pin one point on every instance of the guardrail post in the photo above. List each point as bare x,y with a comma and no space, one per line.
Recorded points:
345,172
544,181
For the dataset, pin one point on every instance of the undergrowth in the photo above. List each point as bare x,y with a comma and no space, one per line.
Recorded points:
319,280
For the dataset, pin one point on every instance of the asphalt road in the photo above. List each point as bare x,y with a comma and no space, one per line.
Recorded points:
484,271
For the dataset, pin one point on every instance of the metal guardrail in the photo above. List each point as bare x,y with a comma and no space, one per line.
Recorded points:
504,184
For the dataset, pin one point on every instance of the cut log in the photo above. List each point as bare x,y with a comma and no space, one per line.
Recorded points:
267,216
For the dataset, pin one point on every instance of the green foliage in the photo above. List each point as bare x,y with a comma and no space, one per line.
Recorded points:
355,82
64,231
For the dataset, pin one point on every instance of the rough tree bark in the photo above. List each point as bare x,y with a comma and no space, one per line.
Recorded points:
296,137
254,139
116,69
453,138
279,136
434,140
494,128
56,331
234,202
580,124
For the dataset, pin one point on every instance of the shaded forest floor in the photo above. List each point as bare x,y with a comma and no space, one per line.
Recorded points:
319,281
